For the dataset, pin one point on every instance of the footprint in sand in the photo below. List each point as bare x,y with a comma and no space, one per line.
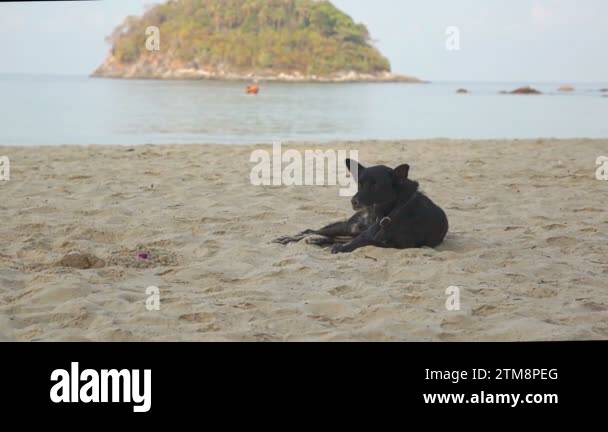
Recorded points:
341,291
561,241
514,228
209,249
588,230
552,227
455,323
601,331
484,310
199,317
542,292
595,307
588,210
516,278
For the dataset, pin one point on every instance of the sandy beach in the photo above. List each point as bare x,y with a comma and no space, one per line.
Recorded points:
528,247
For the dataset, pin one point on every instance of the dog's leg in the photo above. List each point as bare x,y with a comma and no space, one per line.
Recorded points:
334,230
293,239
328,241
338,229
371,237
357,244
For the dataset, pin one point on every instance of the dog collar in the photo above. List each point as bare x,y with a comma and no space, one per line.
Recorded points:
387,220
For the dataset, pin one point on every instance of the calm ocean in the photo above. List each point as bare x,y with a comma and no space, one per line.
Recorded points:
53,110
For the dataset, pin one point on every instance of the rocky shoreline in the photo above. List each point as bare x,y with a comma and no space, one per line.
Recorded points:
152,70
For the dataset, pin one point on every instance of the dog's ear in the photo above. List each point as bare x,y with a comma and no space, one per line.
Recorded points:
401,173
352,164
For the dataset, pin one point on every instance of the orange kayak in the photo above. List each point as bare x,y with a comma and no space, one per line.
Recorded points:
253,89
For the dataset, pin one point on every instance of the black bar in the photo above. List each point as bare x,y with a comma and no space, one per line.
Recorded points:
252,378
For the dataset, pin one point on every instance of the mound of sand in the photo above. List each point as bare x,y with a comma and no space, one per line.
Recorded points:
81,261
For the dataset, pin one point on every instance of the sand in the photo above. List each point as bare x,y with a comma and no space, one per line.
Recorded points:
528,247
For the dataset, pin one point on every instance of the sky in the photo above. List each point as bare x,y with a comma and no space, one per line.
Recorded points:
516,40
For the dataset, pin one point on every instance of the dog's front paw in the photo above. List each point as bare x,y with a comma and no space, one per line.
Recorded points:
284,240
338,249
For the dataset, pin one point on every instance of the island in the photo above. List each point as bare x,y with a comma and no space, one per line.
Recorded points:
266,40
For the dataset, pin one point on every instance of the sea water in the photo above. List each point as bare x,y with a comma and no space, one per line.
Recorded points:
56,110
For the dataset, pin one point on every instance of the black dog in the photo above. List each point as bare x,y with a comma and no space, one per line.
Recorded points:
391,213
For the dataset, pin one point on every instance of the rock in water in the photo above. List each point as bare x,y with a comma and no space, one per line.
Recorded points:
566,88
525,91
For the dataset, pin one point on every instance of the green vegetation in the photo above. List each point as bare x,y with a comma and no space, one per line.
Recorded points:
307,36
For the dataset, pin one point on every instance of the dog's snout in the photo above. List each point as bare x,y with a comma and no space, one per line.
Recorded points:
355,202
